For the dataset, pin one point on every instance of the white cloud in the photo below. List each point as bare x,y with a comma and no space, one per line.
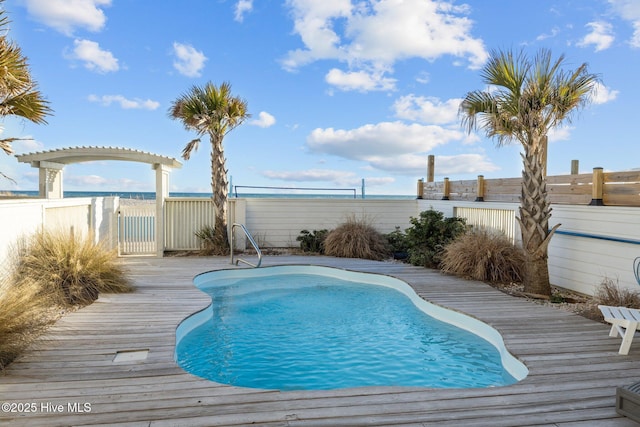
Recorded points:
562,133
600,36
629,10
264,120
378,34
362,81
125,103
189,61
315,175
335,177
602,94
242,7
94,57
86,180
464,164
554,32
427,109
66,15
380,140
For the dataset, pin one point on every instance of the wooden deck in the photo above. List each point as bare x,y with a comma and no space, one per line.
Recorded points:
574,365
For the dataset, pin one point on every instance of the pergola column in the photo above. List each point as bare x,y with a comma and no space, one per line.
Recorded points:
162,192
49,179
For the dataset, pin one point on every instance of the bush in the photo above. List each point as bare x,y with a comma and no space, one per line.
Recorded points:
428,236
484,255
610,293
398,243
72,269
312,241
207,237
356,239
213,241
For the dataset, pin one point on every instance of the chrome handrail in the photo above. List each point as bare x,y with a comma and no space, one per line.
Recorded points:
253,243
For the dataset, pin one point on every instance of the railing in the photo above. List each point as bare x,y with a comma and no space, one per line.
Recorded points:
253,243
598,188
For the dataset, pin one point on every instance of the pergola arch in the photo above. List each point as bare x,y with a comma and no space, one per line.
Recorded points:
52,162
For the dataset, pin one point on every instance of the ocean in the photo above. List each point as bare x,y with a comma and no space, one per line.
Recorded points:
151,195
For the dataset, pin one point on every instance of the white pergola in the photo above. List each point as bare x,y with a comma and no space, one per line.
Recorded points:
51,163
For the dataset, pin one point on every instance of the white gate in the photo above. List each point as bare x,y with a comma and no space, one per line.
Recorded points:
136,229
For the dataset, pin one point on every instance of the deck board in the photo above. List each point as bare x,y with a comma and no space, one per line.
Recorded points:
573,363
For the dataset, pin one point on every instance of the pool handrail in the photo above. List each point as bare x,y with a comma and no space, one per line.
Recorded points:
251,240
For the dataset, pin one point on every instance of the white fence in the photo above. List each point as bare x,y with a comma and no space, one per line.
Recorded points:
80,216
184,217
136,229
498,219
592,243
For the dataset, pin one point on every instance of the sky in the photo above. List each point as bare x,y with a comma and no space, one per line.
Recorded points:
338,90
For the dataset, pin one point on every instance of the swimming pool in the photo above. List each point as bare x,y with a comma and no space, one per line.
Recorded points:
312,328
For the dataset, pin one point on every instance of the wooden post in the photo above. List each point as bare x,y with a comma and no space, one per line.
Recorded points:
420,188
447,189
480,192
575,167
431,161
597,187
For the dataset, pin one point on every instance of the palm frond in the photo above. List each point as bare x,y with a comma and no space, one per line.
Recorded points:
191,146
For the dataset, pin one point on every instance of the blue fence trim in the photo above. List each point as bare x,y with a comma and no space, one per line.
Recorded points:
599,237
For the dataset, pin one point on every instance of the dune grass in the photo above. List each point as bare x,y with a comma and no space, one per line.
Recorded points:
48,274
356,238
26,310
484,255
74,269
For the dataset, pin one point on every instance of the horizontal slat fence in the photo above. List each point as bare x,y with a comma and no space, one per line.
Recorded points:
618,189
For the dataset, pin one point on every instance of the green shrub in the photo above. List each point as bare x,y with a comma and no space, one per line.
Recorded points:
73,269
356,239
398,242
484,255
312,241
428,236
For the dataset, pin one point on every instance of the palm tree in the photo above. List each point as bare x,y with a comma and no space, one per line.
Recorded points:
525,99
212,111
18,92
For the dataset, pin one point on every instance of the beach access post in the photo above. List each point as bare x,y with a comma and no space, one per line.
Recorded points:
446,190
575,167
421,188
480,190
597,187
431,162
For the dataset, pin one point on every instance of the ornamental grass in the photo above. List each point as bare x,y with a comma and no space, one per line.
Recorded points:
484,255
48,274
74,269
356,238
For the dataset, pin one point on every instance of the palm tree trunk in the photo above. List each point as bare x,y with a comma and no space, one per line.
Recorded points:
535,212
219,189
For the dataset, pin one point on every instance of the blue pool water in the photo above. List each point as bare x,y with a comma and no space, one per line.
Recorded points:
313,328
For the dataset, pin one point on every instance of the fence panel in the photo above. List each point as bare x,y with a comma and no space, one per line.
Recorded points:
183,218
503,220
136,229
